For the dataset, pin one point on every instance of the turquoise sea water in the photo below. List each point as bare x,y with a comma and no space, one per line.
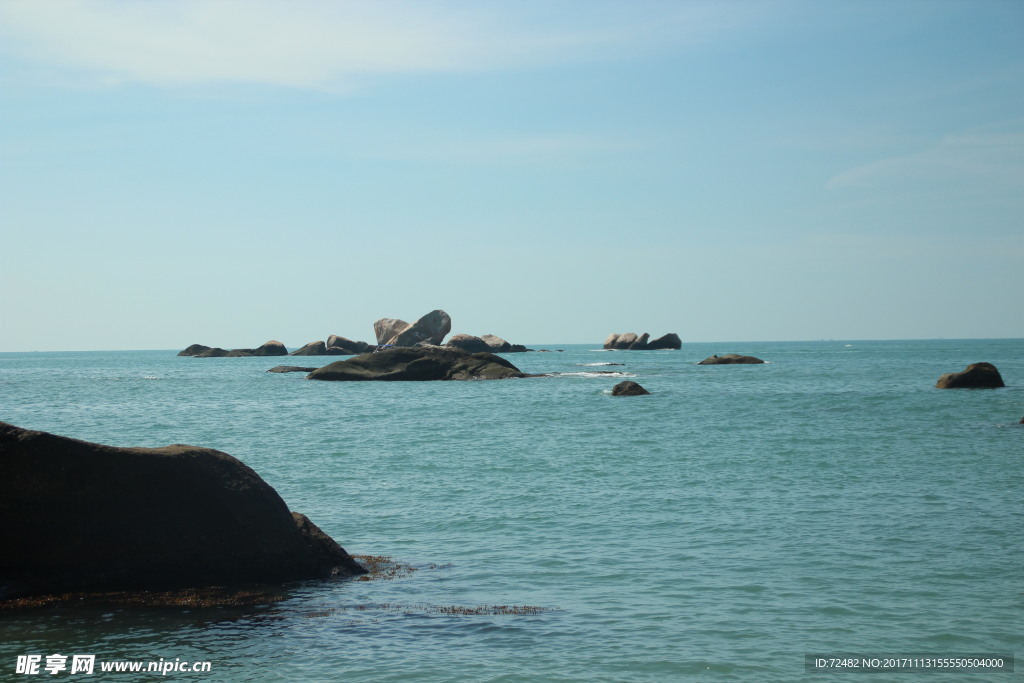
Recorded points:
740,517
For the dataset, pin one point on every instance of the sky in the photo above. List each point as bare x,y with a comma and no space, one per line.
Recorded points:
227,172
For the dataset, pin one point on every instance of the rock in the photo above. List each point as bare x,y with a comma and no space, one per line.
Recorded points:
271,348
387,329
496,344
634,342
975,376
641,343
194,350
730,359
78,516
468,342
419,364
668,341
430,329
215,352
314,348
628,388
342,346
290,368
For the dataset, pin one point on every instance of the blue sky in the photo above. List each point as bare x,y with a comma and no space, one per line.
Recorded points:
228,172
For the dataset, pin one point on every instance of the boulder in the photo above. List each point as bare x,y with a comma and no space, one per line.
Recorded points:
271,348
628,388
641,343
430,329
79,517
496,344
314,348
634,342
730,359
387,329
468,342
975,376
667,341
290,368
419,364
342,346
194,350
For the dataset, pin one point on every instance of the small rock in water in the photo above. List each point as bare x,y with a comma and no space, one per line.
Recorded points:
628,388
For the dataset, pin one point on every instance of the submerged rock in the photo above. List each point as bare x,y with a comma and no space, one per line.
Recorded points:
975,376
416,364
79,517
290,368
731,359
629,388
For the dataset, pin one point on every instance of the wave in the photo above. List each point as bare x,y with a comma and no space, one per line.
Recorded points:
594,365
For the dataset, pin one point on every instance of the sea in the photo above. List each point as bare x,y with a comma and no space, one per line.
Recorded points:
736,524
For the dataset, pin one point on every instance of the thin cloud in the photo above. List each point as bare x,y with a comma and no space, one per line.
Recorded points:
992,157
328,45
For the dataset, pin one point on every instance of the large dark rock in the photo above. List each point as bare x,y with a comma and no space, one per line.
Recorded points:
78,517
215,352
731,359
975,376
419,364
667,341
271,348
629,388
314,348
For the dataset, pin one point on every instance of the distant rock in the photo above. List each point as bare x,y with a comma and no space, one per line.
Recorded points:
387,329
975,376
667,341
430,329
342,346
215,352
271,348
731,359
290,368
80,517
496,344
419,364
194,350
469,343
628,388
633,342
314,348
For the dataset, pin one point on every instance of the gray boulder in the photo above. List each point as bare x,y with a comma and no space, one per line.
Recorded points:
667,341
79,517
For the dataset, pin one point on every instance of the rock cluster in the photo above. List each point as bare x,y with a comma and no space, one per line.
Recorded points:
270,348
633,342
975,376
78,517
430,329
